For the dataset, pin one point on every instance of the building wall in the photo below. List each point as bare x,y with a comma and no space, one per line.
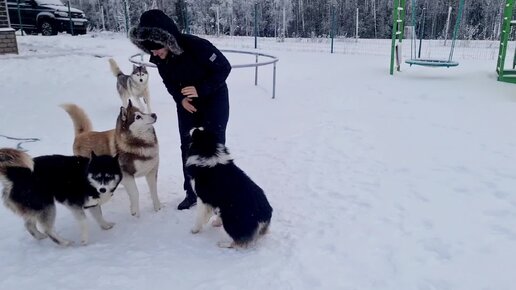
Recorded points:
7,35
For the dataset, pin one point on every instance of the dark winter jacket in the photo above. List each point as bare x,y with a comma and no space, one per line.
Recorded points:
193,61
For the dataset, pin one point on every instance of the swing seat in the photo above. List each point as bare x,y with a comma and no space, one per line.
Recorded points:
432,62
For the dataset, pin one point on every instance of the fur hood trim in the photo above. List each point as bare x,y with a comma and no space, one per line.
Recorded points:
138,35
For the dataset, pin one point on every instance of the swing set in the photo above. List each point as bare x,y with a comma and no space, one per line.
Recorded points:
506,75
415,58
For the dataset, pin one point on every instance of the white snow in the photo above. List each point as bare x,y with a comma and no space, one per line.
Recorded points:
377,181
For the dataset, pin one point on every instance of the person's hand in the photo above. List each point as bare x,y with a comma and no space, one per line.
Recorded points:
186,102
189,92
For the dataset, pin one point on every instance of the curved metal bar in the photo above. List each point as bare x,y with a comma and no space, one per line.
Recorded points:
272,60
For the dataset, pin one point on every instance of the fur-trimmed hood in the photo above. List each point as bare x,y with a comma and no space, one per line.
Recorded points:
157,27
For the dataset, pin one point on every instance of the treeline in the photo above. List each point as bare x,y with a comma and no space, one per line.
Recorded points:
303,18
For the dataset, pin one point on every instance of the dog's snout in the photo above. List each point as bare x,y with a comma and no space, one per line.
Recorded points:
102,190
154,116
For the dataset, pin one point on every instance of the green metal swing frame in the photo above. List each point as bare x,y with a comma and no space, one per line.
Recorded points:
397,34
506,75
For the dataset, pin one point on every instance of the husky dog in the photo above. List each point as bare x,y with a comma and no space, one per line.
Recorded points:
133,140
31,187
220,184
134,85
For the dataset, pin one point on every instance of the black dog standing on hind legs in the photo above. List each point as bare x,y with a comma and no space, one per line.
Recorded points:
220,184
32,185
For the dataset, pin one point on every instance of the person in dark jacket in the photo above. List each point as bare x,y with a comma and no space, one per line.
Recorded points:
194,73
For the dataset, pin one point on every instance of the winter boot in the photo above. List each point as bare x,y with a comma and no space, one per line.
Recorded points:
189,201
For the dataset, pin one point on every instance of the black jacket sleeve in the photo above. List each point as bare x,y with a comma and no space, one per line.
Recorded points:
216,65
174,91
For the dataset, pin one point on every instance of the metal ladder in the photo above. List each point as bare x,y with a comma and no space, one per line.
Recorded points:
503,74
398,24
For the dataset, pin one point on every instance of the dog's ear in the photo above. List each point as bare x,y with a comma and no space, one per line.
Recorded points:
116,157
92,155
130,104
123,114
192,131
195,134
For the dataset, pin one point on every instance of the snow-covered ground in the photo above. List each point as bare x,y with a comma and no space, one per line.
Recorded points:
377,181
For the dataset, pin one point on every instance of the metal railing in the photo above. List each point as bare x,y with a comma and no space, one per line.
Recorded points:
271,60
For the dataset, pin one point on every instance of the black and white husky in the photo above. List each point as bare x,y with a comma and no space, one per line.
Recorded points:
134,140
134,85
31,186
220,184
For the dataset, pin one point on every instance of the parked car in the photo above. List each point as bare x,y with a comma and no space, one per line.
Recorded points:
47,17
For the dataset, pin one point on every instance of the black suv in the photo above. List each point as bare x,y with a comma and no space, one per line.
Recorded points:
46,16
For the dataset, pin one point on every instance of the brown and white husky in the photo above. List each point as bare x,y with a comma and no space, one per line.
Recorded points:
134,85
133,140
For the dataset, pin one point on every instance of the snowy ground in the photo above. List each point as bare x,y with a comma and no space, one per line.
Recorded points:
377,182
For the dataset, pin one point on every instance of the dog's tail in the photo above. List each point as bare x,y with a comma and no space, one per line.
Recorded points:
114,68
80,120
14,158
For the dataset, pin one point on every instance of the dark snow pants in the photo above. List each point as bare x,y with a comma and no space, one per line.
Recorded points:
212,114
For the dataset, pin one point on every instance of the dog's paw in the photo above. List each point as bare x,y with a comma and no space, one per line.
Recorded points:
135,213
195,230
225,244
217,222
84,242
157,207
107,226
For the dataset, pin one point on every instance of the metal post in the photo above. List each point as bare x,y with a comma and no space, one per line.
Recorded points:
187,27
256,72
19,16
332,31
374,16
356,30
126,11
395,24
398,17
456,28
284,24
256,25
102,15
447,24
70,19
421,32
218,22
274,81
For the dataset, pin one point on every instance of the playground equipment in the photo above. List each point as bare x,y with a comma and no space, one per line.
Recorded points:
506,75
397,38
138,59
